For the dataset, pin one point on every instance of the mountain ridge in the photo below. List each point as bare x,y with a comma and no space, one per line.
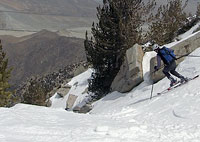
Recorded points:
41,53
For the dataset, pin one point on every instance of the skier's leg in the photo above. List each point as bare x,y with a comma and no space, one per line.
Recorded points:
175,73
166,72
173,70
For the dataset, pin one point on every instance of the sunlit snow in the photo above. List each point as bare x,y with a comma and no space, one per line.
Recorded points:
128,117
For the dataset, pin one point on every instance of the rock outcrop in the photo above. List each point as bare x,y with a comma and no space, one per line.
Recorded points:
70,101
63,90
84,109
130,74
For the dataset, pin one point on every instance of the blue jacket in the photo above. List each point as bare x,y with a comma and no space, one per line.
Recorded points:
161,57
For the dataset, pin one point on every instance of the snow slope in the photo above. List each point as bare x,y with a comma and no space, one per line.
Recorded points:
170,117
129,117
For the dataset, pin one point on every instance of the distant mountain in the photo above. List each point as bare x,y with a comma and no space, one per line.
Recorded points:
69,17
54,15
41,53
51,7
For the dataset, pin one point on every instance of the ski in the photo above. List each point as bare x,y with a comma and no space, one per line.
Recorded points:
177,85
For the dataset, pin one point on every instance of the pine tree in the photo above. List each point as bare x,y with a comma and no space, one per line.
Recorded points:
5,95
35,92
168,19
118,29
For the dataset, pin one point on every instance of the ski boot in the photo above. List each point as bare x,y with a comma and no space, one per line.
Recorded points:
173,81
183,79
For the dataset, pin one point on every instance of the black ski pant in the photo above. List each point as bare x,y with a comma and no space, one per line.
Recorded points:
172,69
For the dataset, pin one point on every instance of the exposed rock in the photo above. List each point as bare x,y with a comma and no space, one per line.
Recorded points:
85,109
63,91
70,101
79,70
181,48
49,103
130,74
66,86
85,91
75,84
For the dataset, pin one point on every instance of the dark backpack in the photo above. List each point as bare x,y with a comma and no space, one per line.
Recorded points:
167,55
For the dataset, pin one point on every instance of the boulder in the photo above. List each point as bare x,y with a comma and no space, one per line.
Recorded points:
48,103
80,69
182,47
63,91
84,109
70,101
67,86
130,74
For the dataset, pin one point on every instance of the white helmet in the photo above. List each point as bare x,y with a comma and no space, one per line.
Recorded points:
155,47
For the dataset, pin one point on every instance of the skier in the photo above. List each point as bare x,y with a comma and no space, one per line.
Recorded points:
168,57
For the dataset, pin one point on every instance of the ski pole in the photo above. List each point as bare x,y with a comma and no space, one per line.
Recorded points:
152,88
181,56
151,91
193,56
188,56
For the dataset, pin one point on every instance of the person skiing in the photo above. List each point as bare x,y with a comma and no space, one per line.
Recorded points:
168,57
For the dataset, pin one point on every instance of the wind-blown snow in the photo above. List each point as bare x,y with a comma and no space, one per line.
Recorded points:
128,117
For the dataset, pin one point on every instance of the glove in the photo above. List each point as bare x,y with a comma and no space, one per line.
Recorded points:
156,68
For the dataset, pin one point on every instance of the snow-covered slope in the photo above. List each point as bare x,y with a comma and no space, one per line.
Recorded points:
115,118
128,117
170,117
182,102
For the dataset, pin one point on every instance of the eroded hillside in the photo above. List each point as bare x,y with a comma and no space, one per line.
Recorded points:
41,53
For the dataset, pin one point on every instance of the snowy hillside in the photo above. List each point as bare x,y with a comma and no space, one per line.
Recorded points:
116,118
128,117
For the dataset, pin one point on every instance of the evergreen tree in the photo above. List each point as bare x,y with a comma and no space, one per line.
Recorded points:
168,19
118,29
5,95
35,92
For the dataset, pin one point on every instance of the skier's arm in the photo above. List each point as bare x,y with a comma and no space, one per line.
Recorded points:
158,63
